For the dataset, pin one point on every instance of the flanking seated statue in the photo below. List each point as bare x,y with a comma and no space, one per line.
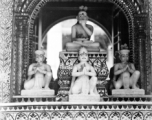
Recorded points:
39,77
128,76
84,79
81,34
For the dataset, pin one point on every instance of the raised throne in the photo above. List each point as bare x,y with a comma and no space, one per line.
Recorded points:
69,59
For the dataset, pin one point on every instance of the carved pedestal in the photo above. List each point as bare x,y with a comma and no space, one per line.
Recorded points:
37,92
84,98
69,59
35,96
130,92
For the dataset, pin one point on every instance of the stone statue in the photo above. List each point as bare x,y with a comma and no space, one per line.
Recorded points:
40,72
84,76
81,34
128,75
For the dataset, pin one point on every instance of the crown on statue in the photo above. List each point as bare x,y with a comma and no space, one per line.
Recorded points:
83,8
124,49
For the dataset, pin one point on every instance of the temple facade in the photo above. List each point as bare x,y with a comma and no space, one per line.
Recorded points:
23,26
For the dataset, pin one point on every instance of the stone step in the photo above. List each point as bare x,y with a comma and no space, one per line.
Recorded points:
42,92
128,92
84,98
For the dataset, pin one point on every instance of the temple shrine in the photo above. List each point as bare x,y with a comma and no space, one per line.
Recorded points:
76,60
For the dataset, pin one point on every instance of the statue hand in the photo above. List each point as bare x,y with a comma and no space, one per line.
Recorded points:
35,69
129,68
83,22
125,68
39,69
84,70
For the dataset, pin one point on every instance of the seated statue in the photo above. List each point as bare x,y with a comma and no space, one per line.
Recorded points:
128,75
40,72
81,34
84,76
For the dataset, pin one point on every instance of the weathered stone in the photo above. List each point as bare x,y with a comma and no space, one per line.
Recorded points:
128,92
37,92
84,98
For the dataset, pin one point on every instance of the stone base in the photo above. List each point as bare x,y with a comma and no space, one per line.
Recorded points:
84,98
37,92
88,49
128,92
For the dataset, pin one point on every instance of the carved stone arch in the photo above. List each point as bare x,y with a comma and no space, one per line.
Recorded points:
131,9
127,7
71,17
134,5
54,23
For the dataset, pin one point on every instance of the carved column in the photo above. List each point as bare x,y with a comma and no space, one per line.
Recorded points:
150,36
141,48
22,51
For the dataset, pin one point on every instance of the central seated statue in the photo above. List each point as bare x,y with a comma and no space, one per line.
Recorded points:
81,34
84,80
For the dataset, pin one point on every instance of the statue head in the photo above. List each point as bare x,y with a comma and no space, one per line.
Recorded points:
124,53
82,15
40,55
83,54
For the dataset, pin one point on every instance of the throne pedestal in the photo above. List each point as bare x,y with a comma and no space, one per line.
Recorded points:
35,96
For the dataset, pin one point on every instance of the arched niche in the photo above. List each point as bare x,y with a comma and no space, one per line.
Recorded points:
25,20
57,35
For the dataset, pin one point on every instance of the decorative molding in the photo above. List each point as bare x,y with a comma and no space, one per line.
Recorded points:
77,111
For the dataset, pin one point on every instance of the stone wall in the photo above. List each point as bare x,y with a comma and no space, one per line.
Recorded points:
6,15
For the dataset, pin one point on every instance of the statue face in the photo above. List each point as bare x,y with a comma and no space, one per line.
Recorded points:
39,57
83,55
82,15
124,57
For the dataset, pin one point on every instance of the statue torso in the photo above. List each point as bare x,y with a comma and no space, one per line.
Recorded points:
81,66
42,67
121,66
80,33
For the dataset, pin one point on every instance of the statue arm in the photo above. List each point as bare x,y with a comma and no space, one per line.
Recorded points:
75,73
72,83
47,70
118,71
131,68
88,30
78,40
91,72
31,71
73,33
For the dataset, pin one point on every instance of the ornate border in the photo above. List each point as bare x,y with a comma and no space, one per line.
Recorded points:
31,10
73,111
5,49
